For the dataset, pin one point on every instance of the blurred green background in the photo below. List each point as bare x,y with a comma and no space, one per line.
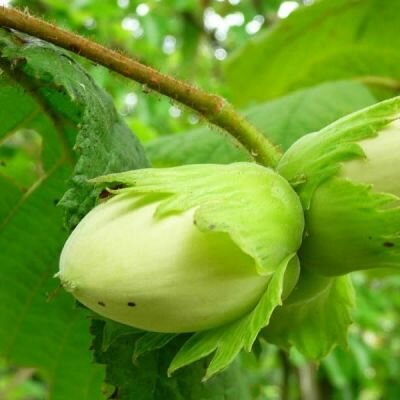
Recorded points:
192,40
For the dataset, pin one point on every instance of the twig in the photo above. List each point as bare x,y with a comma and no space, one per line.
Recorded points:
286,368
308,381
214,108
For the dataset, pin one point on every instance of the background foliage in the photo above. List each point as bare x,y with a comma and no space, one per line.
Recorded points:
290,76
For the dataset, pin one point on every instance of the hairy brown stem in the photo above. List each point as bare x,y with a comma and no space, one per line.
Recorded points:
214,108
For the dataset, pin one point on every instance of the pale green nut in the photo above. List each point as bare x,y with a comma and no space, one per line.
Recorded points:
348,178
184,249
380,167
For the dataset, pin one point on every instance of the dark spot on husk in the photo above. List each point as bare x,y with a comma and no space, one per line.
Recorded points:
388,244
104,194
131,304
101,303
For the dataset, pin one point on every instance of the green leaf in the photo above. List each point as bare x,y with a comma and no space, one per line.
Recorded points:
228,341
283,121
373,240
151,341
43,89
315,317
113,330
146,377
330,40
221,196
